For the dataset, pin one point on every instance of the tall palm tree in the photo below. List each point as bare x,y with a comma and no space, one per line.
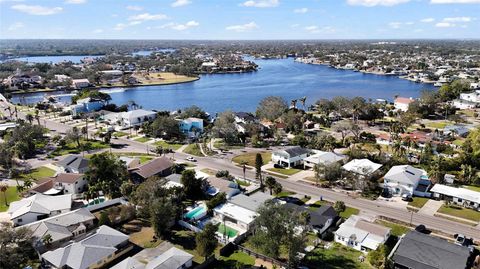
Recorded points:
37,116
29,118
303,100
293,103
4,188
244,163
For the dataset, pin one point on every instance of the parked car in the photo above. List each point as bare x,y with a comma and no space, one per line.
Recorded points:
406,197
191,159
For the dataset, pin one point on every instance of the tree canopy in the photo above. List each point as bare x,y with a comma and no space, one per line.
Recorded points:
106,173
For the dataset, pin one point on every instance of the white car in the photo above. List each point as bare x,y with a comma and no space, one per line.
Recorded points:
191,159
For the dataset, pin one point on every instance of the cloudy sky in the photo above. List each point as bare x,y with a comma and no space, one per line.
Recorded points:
239,19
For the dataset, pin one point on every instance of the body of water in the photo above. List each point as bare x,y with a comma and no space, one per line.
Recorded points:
148,52
54,59
242,92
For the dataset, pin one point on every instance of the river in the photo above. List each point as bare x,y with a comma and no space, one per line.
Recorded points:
242,92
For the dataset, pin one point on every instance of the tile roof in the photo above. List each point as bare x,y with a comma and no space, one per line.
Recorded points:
67,177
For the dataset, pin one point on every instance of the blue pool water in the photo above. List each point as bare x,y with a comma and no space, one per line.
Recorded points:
196,212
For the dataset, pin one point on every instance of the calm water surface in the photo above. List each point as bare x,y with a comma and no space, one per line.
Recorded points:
55,59
242,92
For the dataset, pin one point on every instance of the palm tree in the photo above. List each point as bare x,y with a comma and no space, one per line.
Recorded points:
27,183
303,100
37,116
293,103
47,240
29,118
270,182
244,163
4,188
317,169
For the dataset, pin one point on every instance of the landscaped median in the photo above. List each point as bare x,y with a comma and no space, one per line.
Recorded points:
249,158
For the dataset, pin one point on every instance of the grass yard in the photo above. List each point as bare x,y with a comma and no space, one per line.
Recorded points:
11,195
283,171
336,257
284,194
193,149
165,144
418,202
209,171
72,148
460,212
437,124
458,142
143,139
185,240
473,188
242,183
145,159
250,158
397,229
38,173
141,234
119,134
348,212
238,259
223,145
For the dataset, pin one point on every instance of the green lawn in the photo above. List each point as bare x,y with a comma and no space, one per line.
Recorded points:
185,240
142,139
12,196
164,144
72,148
336,257
471,187
250,158
144,159
287,172
458,142
284,194
238,259
119,134
397,229
437,124
460,212
418,202
38,173
348,212
223,145
242,183
193,149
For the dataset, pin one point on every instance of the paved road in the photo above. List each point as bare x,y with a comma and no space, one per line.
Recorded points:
378,208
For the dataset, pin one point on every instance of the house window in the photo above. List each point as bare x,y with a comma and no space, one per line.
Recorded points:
19,220
459,200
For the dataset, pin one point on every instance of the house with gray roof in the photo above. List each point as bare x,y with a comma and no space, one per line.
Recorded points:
323,158
290,157
173,258
94,251
416,250
37,207
73,164
320,219
406,179
361,235
63,227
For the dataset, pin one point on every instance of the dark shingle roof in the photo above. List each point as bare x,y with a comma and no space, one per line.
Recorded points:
296,151
421,251
153,167
318,217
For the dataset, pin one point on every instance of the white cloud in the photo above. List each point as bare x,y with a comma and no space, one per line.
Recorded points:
458,19
427,20
454,1
397,25
181,3
76,2
302,10
147,17
444,24
120,26
180,27
15,26
242,27
261,3
97,31
135,8
372,3
37,10
314,29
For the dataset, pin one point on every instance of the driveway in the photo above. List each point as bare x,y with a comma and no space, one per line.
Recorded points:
431,207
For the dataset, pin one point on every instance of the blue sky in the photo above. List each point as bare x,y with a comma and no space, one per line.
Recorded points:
239,19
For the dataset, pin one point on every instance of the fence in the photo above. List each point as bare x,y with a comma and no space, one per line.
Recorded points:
189,226
261,256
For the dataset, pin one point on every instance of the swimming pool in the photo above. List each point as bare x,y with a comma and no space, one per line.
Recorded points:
196,213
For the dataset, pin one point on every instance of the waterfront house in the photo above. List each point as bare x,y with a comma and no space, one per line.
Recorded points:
72,164
37,207
66,183
406,179
471,96
135,118
290,157
86,105
191,127
416,250
361,235
323,158
62,227
80,83
157,167
95,251
459,196
172,258
363,167
402,103
464,104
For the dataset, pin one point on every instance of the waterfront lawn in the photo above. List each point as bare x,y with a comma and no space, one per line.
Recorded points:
163,78
418,202
397,229
142,139
38,173
460,212
250,158
336,257
165,144
12,196
283,171
193,149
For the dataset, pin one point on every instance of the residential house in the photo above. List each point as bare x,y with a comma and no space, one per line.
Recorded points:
406,179
173,258
80,83
62,228
218,185
363,167
323,158
19,78
95,251
361,235
37,207
402,103
191,127
66,183
72,164
86,105
456,130
416,250
320,219
464,104
157,167
290,157
471,96
130,162
131,118
460,196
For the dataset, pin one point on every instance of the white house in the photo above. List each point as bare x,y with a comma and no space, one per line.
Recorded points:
173,258
361,235
131,118
402,103
464,104
406,179
80,83
472,96
70,183
290,157
191,127
459,196
323,158
362,167
37,207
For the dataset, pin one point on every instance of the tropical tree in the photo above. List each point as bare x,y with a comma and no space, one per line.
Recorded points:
339,206
270,182
206,241
4,188
244,163
16,247
106,173
47,240
258,168
163,213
